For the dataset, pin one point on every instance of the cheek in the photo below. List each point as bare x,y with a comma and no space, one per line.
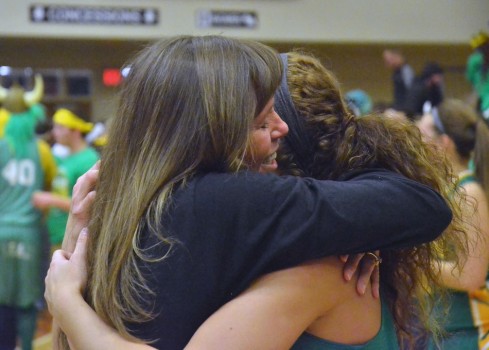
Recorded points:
258,149
61,135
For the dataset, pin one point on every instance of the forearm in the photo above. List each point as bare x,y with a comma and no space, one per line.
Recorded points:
387,211
471,275
275,310
78,320
452,277
60,202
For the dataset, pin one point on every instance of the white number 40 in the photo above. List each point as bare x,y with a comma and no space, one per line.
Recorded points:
19,172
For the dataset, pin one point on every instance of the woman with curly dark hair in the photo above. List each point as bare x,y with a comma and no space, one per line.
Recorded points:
326,140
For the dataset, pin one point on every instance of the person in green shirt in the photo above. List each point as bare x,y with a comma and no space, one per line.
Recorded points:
69,130
26,166
477,71
457,130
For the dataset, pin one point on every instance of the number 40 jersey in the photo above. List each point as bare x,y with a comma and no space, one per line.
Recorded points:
20,177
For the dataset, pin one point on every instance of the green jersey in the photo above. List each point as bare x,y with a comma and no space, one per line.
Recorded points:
478,79
20,225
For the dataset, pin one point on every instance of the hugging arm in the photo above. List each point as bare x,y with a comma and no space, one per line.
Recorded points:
405,212
297,220
283,303
472,275
65,282
379,209
368,210
277,308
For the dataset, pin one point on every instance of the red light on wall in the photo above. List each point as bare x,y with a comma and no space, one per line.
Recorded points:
112,77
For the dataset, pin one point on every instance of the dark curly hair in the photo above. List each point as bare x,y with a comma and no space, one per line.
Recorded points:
339,142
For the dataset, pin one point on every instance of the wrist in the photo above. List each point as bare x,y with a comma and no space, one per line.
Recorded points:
67,302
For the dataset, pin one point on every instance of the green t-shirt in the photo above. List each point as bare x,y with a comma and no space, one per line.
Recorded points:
69,170
479,81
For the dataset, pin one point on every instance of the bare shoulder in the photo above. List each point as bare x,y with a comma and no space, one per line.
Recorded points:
475,191
316,288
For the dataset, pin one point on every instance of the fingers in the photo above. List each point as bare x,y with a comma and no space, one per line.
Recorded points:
369,272
81,246
351,266
86,183
375,281
60,255
367,266
366,270
58,259
84,195
375,256
80,251
81,207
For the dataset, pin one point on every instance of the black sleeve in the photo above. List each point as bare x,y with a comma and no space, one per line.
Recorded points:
415,98
279,222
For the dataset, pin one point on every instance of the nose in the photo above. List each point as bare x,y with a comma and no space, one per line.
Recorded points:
279,127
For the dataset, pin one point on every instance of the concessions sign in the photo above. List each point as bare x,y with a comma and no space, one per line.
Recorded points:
93,15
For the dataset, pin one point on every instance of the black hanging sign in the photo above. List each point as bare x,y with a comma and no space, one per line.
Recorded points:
93,15
226,19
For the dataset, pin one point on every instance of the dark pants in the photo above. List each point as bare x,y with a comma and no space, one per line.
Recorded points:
17,321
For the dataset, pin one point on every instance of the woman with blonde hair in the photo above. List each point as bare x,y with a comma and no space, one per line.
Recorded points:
181,225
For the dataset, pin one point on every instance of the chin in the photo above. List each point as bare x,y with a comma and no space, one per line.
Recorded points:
268,168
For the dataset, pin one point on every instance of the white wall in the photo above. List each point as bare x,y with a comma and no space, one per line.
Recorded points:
399,21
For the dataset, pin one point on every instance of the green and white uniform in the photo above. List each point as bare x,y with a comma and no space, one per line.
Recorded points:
20,239
26,166
467,321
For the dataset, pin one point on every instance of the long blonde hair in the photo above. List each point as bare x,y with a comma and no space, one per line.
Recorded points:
187,106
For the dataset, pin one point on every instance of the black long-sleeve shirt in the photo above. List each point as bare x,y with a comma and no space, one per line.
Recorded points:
231,229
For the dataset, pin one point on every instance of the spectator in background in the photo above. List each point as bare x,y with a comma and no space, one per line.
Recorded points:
459,132
26,166
402,75
69,130
44,131
477,71
427,87
359,102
